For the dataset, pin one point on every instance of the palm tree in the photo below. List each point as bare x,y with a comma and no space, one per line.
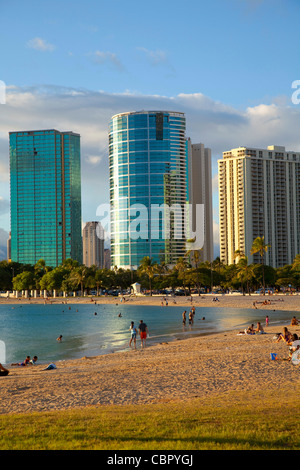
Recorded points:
259,246
77,276
239,254
244,272
296,263
149,268
181,267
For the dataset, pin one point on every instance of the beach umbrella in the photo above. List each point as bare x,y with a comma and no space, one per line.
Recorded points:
296,357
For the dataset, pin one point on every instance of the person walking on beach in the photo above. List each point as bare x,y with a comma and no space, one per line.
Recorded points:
133,335
267,320
143,331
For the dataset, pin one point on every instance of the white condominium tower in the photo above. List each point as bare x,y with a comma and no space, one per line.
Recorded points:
259,195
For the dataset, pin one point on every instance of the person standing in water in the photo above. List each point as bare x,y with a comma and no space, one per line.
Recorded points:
133,335
143,330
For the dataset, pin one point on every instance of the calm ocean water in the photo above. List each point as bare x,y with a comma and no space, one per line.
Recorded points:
33,329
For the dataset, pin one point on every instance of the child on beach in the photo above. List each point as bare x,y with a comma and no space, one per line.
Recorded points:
24,363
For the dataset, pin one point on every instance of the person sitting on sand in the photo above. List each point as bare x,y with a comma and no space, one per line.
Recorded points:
3,371
294,321
285,336
294,345
259,329
24,363
33,360
250,330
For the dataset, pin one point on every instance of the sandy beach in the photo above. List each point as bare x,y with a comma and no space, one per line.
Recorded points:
179,370
275,302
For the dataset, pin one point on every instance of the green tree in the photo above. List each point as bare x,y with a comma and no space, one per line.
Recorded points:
296,263
24,281
259,246
181,267
244,272
53,280
77,277
149,268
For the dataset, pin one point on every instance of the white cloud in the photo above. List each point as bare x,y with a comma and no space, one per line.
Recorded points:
155,57
4,205
101,57
93,159
40,44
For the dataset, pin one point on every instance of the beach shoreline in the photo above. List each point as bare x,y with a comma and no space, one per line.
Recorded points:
170,371
274,302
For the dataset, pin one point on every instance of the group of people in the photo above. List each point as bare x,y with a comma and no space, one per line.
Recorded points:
191,316
253,331
142,331
27,362
290,339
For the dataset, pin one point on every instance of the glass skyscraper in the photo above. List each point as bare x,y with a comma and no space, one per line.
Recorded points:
147,161
45,185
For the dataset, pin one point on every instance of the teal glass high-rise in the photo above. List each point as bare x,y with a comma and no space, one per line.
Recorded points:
147,161
45,186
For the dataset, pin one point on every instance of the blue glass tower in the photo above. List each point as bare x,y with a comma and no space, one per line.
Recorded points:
45,185
147,161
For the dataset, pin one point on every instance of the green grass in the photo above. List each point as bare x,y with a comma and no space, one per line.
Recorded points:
239,421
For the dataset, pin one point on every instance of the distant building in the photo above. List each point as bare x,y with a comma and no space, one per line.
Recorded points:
45,186
259,194
93,244
200,192
107,263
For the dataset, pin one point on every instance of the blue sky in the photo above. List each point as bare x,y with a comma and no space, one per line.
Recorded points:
240,52
70,65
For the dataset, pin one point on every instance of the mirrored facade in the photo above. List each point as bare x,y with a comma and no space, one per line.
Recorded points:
45,196
147,161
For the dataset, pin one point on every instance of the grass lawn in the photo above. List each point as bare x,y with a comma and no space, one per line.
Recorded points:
237,421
